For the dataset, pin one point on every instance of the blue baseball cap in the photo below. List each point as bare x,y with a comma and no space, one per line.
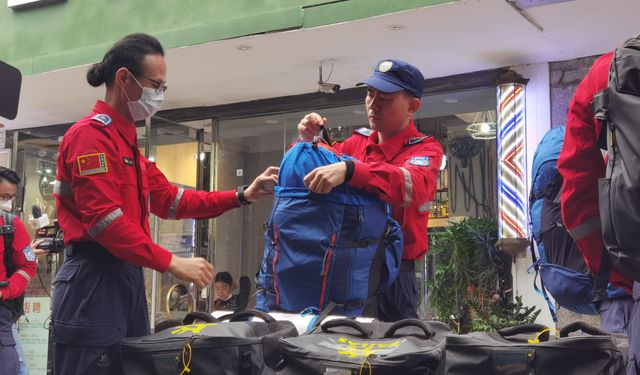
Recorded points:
394,75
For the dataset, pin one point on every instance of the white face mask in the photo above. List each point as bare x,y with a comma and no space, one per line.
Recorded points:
149,103
6,205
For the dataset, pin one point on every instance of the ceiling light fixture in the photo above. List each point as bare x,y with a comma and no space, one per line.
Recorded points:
359,112
243,47
271,122
451,100
395,27
483,126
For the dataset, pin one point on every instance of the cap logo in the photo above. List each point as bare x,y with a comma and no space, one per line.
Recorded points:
385,66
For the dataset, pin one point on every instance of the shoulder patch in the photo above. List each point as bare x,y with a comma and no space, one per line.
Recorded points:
414,140
364,131
421,161
102,118
92,164
28,254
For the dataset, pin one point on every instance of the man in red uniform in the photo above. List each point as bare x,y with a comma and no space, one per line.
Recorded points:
396,162
105,189
581,164
14,281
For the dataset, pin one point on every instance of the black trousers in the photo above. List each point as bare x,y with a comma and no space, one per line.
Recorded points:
98,300
400,301
9,362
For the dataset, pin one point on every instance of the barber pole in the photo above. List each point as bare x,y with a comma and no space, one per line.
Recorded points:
512,167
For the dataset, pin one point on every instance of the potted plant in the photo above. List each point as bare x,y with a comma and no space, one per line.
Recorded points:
471,284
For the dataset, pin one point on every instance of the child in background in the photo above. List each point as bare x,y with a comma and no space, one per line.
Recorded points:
225,300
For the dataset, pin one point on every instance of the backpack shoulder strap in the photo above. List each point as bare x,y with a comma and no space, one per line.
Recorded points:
7,231
599,107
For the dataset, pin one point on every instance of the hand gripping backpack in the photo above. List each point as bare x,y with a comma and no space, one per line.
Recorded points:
236,347
338,249
345,346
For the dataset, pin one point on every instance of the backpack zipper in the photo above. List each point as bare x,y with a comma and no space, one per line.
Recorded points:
275,262
326,263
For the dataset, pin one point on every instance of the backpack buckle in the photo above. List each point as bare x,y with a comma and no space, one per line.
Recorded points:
7,229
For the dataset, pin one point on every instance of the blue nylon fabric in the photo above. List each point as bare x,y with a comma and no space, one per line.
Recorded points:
330,240
571,290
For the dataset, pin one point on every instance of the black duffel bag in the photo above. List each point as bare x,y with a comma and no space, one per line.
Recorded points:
236,347
345,346
527,349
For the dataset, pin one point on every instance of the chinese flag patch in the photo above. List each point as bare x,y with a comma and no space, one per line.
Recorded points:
92,164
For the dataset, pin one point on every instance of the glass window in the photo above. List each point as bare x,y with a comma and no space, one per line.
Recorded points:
246,146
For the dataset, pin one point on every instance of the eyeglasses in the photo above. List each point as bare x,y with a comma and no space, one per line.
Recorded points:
160,86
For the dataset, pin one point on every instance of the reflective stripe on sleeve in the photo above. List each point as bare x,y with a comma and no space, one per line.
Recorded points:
105,222
425,207
24,274
408,188
173,210
585,229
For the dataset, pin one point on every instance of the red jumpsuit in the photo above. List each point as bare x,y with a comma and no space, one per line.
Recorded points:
24,263
581,165
104,191
98,196
402,172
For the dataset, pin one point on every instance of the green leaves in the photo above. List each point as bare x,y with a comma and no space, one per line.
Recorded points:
470,289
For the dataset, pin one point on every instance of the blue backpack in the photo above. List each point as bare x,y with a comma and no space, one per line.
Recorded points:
561,267
338,249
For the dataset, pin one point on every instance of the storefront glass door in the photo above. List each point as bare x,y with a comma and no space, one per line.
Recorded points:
180,153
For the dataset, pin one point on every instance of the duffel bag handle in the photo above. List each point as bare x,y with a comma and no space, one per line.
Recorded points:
244,315
428,331
523,328
335,323
581,326
199,315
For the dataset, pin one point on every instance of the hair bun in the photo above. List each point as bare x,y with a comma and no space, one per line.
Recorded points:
95,75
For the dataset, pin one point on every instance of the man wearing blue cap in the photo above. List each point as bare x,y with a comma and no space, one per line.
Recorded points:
395,162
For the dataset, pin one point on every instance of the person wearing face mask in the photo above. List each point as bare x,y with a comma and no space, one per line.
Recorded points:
16,271
104,192
396,162
225,299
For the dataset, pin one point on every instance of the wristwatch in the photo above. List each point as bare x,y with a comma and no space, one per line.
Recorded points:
240,192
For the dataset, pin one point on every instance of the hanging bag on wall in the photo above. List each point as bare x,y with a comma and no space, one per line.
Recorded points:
235,346
345,346
529,349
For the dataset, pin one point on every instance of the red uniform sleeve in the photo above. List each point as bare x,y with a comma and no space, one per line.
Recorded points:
411,183
98,199
170,202
581,163
25,262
